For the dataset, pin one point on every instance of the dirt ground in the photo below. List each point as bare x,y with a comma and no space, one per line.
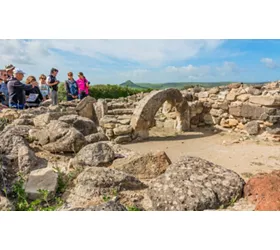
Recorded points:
245,155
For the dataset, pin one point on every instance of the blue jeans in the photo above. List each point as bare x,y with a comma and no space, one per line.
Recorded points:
16,105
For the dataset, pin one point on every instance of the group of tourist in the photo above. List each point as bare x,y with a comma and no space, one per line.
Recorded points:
15,94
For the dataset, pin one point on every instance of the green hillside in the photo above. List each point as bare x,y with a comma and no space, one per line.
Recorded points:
132,85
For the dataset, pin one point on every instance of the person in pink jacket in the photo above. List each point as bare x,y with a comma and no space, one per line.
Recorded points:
83,86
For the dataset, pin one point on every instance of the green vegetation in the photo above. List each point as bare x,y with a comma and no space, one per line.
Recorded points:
105,91
129,88
41,204
133,208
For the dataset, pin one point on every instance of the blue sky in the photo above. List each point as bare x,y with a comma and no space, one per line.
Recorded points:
115,61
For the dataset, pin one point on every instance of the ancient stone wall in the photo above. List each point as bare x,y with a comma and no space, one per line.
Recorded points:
254,109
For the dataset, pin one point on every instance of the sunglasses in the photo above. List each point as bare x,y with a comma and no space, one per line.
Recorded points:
43,78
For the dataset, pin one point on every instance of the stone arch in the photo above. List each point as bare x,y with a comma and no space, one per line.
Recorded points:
144,114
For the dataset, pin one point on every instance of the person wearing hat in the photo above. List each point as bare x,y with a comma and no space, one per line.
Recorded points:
17,90
4,89
53,84
9,69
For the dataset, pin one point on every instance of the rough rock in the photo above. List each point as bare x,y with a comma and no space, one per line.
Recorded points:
265,100
44,119
143,166
101,108
122,130
243,97
194,184
41,179
107,206
5,204
123,139
93,155
254,91
235,85
264,190
209,119
22,121
86,109
61,138
214,90
204,94
229,123
231,96
95,182
82,124
15,155
216,112
10,114
96,138
252,128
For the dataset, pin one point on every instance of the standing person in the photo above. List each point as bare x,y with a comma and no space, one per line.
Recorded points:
53,83
4,89
83,86
33,96
71,87
10,71
17,90
44,88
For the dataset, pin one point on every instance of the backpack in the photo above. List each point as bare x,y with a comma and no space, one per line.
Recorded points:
72,88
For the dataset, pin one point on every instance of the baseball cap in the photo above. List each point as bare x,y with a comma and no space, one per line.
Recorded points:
19,71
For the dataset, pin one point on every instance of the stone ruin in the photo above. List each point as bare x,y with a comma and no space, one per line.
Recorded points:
73,135
251,109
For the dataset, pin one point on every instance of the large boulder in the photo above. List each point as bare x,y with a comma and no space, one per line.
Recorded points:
60,137
15,155
82,124
101,108
93,155
43,119
107,206
96,182
86,109
96,138
264,191
122,130
266,100
194,184
143,166
41,179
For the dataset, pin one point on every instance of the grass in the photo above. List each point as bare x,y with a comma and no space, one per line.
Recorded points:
22,203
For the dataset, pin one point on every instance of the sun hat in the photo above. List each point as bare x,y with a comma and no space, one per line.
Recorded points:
9,67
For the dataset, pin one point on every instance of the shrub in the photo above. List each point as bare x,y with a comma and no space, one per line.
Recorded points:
105,91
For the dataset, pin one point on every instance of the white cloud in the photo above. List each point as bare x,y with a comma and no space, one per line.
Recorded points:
149,52
227,68
190,71
269,63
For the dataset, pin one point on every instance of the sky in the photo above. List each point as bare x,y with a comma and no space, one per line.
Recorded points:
155,61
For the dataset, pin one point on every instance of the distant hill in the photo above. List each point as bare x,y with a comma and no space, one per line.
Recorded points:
181,85
130,84
178,85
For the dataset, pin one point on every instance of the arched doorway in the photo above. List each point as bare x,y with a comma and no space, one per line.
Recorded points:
143,116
